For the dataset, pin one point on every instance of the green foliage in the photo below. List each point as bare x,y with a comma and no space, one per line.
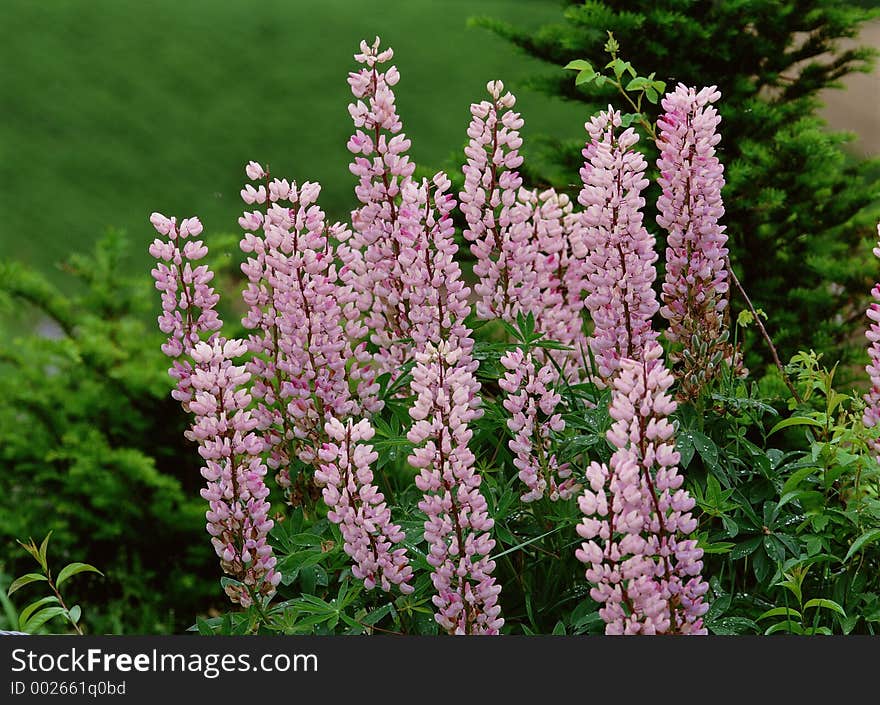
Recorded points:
788,501
797,207
92,446
40,612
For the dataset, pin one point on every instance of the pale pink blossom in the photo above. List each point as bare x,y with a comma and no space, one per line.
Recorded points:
644,567
618,250
357,505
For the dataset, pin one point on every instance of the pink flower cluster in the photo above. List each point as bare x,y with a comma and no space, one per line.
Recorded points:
458,523
645,572
383,170
560,278
447,400
532,403
695,289
238,513
498,225
359,507
618,250
521,239
188,299
871,415
214,390
295,308
436,295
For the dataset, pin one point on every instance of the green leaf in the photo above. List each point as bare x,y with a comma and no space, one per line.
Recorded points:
787,626
43,548
25,580
652,95
861,541
729,626
33,607
559,629
72,569
659,86
584,77
781,612
41,617
741,550
706,448
796,478
819,603
579,65
794,421
618,66
75,613
636,83
774,548
685,447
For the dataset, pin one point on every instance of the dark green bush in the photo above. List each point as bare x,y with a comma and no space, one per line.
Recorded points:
91,445
795,201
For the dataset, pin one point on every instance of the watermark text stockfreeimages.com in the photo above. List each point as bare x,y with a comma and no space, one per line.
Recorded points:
210,665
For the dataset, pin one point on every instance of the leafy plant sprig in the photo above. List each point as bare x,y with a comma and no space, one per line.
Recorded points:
37,613
623,76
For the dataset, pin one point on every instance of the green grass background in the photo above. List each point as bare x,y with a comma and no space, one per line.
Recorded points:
115,108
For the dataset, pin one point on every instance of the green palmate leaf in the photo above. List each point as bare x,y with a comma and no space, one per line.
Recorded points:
33,607
795,421
25,580
72,569
821,603
41,617
862,541
741,550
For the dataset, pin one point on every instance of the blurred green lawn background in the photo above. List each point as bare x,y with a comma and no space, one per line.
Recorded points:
115,108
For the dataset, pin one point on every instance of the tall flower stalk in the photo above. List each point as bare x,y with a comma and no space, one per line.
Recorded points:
188,299
498,224
871,415
213,389
695,290
383,170
457,525
644,569
238,513
618,251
